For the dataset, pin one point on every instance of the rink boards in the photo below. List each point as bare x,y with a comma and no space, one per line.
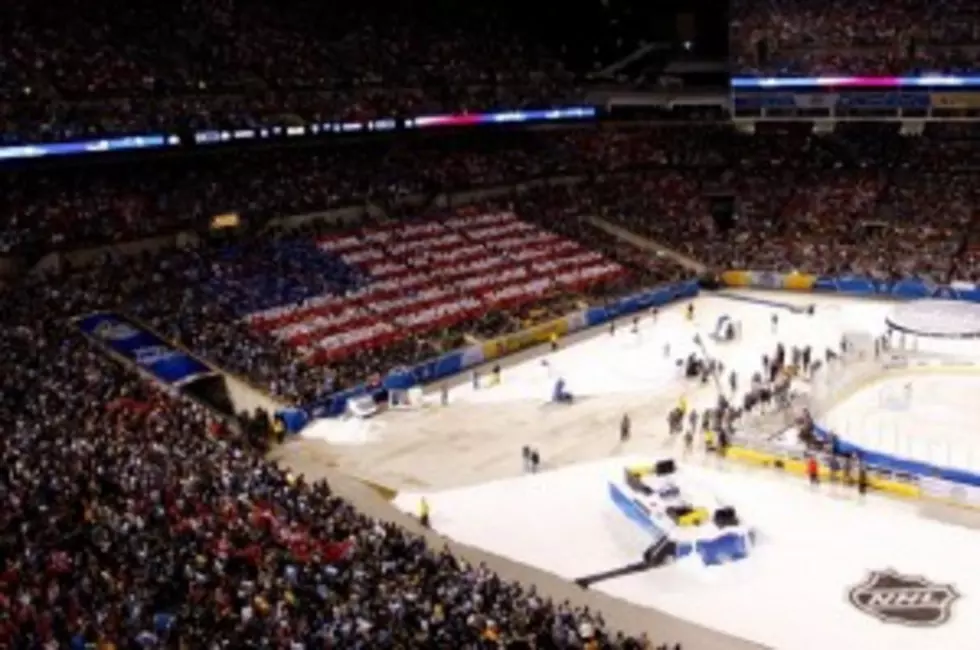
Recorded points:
891,473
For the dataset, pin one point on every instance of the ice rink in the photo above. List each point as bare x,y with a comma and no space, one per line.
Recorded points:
930,418
792,593
483,430
465,458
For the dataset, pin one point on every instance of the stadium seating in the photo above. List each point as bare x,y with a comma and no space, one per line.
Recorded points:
308,311
117,68
110,481
134,517
865,38
426,276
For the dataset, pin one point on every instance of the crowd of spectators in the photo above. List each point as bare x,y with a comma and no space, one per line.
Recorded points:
653,170
120,68
133,518
78,206
869,37
211,321
817,210
804,202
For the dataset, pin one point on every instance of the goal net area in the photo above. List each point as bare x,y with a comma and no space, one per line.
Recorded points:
857,365
860,364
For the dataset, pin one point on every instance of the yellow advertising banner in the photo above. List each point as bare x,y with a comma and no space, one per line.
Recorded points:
736,278
524,339
955,100
798,467
799,281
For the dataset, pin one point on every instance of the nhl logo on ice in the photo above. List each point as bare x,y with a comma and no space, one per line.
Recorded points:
892,597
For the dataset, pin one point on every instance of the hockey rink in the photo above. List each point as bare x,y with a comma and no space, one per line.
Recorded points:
483,429
465,458
929,418
792,593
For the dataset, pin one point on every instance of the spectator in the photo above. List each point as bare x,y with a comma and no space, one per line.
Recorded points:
866,38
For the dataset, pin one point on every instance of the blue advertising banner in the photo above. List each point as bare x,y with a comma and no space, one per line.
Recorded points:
828,100
635,303
144,349
433,369
907,289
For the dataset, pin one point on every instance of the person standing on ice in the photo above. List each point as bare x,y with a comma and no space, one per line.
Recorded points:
624,428
424,512
495,375
813,469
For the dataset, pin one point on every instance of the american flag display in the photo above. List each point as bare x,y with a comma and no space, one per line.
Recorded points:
429,275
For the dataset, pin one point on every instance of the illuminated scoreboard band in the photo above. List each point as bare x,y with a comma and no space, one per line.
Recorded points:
932,82
856,98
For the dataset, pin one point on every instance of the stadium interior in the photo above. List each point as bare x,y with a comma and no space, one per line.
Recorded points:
225,218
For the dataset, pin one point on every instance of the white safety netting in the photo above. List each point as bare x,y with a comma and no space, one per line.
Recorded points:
839,379
855,366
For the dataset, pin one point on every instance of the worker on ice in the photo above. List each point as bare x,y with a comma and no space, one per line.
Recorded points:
813,469
560,394
710,441
690,311
554,341
424,512
624,428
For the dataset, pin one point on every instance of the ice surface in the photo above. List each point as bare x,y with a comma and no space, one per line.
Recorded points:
790,594
793,592
478,437
635,363
937,425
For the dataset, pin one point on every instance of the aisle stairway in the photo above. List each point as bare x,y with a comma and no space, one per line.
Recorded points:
647,244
